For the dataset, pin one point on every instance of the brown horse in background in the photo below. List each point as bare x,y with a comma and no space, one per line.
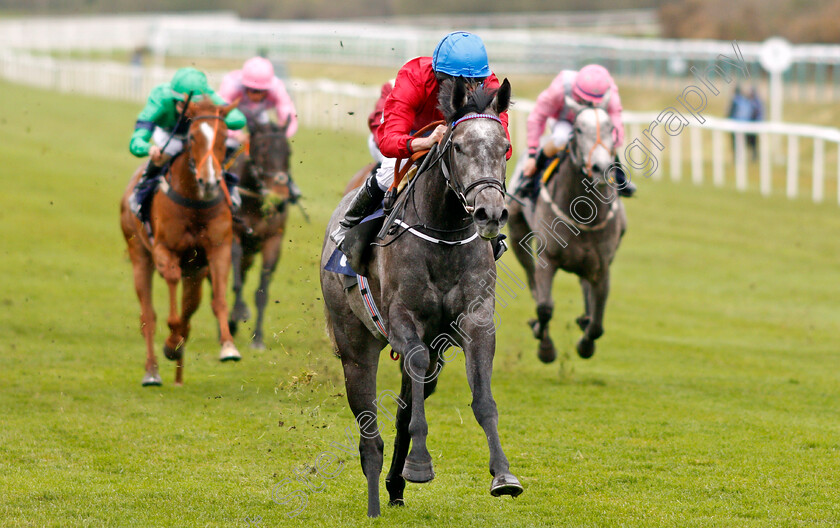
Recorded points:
264,187
191,236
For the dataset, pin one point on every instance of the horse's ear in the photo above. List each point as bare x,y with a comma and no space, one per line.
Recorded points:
502,102
191,110
573,105
229,108
459,94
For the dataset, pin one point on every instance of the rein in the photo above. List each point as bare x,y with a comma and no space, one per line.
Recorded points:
479,184
441,154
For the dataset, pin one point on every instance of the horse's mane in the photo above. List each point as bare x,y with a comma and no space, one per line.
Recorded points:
478,99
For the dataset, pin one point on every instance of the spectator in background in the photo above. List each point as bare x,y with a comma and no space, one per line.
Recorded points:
757,115
741,109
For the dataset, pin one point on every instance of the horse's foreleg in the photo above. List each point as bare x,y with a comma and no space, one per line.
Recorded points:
169,267
598,292
271,255
190,299
143,267
586,290
240,309
479,352
520,243
416,362
544,278
218,258
394,482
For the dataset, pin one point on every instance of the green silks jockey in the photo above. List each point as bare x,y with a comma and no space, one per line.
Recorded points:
157,122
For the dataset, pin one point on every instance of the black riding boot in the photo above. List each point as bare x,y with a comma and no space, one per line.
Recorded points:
626,188
143,191
367,200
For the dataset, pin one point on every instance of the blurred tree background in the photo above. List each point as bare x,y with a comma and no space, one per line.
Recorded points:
749,20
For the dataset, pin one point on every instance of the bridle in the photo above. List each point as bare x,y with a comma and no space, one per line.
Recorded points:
278,178
586,168
452,181
191,163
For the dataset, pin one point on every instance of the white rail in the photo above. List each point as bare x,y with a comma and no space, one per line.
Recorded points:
792,157
815,74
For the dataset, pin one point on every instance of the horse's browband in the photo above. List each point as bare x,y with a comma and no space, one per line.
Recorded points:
476,116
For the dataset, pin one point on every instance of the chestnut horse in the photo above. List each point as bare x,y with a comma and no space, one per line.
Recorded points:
191,235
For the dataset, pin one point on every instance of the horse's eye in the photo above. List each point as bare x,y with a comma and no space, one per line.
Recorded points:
457,147
578,130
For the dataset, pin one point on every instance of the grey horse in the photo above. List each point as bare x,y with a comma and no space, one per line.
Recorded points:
432,295
576,224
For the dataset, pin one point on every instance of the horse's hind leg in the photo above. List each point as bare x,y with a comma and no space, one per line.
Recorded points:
240,309
595,307
394,482
544,278
359,353
271,255
143,267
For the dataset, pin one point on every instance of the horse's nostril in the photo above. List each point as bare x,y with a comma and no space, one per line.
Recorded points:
504,217
481,215
596,168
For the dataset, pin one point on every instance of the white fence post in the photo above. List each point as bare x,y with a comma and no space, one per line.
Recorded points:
766,184
819,166
696,155
717,158
676,158
740,162
793,167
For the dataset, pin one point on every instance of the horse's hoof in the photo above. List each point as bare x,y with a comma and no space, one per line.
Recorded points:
173,354
229,352
418,472
582,322
233,326
535,327
258,345
506,484
585,348
152,380
547,353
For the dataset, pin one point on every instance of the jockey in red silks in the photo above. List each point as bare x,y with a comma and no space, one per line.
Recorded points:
413,104
259,91
587,86
375,119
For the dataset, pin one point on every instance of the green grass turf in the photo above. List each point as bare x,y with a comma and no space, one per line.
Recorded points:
712,399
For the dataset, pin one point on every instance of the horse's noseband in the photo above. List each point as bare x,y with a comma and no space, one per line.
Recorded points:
455,184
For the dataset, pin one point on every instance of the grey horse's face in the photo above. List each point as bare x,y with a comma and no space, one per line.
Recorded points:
478,157
593,148
478,152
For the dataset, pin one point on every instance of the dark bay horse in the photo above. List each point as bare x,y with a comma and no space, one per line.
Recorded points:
576,225
431,295
191,228
264,188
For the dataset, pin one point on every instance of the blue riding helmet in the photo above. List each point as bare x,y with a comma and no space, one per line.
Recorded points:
461,54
